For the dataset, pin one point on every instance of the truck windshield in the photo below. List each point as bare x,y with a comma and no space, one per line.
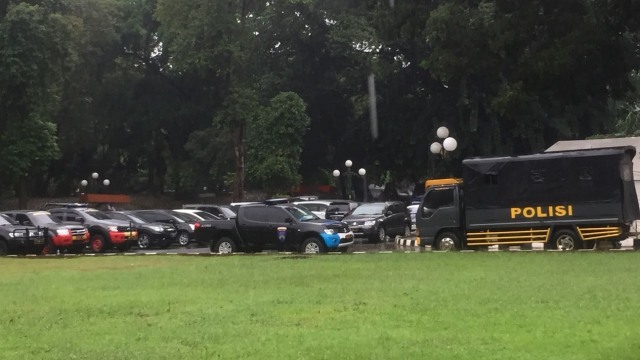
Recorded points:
97,214
369,209
43,218
4,220
302,214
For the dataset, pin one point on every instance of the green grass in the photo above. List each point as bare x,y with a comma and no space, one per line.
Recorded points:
370,306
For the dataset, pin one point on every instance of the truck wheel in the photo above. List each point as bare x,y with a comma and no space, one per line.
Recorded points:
447,241
313,246
143,241
565,240
97,243
224,246
4,249
183,238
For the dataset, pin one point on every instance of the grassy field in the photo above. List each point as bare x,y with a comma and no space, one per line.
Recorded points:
370,306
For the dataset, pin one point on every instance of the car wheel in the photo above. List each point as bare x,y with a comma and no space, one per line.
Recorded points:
144,240
97,243
407,230
382,234
313,246
447,241
565,240
4,249
183,238
224,246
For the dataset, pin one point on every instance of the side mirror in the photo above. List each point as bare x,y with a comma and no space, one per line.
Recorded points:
288,220
388,213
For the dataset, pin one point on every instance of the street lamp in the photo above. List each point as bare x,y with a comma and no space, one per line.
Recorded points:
362,172
448,143
94,177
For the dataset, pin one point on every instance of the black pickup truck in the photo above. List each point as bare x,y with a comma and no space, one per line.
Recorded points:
283,227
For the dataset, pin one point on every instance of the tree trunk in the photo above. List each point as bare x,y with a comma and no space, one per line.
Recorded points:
239,150
21,188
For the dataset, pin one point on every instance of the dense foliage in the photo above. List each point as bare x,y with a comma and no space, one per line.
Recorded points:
176,95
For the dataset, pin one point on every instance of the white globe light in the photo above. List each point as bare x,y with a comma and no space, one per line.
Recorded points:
442,132
336,173
450,144
94,175
362,172
106,182
348,163
435,148
84,183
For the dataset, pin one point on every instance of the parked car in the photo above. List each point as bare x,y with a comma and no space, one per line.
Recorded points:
279,227
318,207
378,220
338,209
149,233
73,238
185,226
15,238
104,232
221,211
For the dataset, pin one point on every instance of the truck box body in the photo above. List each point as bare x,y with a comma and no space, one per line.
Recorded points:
589,186
563,198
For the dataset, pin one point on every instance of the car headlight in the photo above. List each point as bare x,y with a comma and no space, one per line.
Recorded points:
17,234
369,223
113,228
329,231
156,228
192,226
63,232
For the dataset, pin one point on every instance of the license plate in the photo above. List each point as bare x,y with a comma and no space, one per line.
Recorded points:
78,237
129,235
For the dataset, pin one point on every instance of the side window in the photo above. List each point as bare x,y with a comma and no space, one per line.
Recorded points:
254,213
58,215
436,199
22,219
322,207
277,215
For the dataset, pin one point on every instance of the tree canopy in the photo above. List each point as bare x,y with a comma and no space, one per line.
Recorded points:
176,95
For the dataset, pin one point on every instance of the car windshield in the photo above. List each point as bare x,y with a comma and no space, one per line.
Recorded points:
4,220
135,219
333,208
369,209
228,212
97,214
185,217
301,213
43,218
207,216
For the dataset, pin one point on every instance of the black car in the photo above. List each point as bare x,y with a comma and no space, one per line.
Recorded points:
338,209
15,238
60,237
184,225
378,220
149,233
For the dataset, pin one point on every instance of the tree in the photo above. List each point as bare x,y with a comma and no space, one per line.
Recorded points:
275,143
38,49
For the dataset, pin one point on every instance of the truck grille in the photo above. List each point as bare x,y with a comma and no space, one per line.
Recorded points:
78,231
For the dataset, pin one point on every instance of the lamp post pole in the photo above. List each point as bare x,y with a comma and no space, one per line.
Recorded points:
363,173
348,164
